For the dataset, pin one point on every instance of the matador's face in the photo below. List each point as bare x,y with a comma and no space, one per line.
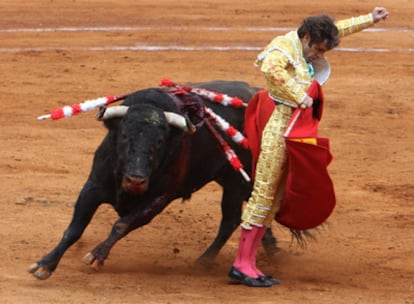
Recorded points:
314,51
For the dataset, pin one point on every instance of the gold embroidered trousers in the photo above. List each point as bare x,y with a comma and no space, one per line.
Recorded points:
271,172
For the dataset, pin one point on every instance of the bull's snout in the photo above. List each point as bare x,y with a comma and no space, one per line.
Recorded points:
135,185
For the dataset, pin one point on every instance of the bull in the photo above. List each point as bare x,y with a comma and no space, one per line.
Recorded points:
149,158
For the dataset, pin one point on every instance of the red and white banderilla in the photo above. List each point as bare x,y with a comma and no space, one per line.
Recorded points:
85,106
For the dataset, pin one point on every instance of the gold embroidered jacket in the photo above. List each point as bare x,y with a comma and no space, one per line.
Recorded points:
286,71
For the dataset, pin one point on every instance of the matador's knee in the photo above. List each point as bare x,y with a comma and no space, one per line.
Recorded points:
270,169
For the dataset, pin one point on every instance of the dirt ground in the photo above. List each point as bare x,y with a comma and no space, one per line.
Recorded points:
58,52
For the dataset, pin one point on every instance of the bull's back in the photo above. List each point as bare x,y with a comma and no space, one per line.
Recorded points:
208,161
238,89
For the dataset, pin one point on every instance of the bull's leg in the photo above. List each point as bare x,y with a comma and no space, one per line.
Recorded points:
269,242
231,206
122,227
85,207
142,215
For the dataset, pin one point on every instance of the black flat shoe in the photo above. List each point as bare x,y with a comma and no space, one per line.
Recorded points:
239,277
269,278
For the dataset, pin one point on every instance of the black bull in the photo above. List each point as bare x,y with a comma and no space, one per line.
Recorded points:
143,164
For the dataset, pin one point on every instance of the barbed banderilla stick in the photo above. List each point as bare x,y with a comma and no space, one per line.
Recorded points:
216,97
85,106
228,152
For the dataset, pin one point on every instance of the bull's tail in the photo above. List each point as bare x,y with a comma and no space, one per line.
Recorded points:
301,237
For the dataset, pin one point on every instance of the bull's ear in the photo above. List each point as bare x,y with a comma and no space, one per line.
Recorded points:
112,123
111,116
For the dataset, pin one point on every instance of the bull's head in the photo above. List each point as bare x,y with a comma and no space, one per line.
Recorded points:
144,137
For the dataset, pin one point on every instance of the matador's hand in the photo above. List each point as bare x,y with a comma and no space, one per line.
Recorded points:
379,13
306,103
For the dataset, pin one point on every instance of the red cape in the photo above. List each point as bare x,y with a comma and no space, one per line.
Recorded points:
310,198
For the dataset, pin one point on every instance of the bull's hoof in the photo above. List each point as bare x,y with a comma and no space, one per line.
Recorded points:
273,251
39,272
204,262
90,259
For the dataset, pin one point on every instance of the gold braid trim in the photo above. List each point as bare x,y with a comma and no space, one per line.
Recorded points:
271,172
354,24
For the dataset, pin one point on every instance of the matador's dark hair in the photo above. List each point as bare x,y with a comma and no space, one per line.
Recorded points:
320,28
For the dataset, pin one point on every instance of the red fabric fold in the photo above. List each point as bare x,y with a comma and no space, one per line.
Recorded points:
309,199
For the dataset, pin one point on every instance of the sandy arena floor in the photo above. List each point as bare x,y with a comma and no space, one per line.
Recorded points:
58,52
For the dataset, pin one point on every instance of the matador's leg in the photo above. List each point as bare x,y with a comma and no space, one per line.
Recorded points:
270,171
269,177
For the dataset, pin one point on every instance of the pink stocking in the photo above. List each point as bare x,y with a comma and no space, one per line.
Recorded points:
246,246
257,241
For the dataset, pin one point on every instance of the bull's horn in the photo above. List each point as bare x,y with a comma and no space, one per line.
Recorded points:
172,118
180,122
112,112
